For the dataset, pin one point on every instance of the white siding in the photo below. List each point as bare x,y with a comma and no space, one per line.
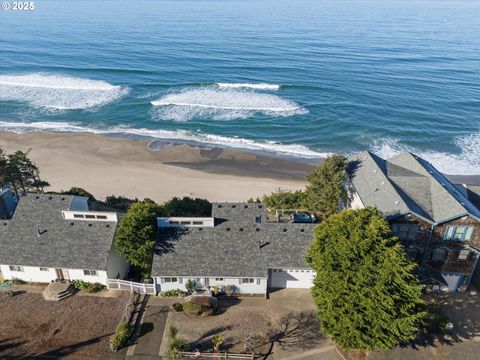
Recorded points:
294,279
117,265
33,274
251,288
29,273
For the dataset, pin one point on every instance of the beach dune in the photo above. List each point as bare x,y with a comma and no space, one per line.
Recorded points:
118,166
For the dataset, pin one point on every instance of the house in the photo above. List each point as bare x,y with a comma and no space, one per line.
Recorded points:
438,225
238,246
55,237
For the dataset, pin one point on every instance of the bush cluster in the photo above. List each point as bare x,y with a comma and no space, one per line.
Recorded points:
177,307
120,338
88,287
172,293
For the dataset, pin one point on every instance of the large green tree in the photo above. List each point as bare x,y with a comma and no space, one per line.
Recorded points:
365,292
136,234
326,190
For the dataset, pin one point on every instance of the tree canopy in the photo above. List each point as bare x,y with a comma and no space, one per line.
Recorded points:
187,206
20,173
365,292
324,193
136,234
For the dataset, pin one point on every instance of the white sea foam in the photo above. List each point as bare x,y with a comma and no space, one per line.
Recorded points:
217,140
226,104
465,162
260,86
58,92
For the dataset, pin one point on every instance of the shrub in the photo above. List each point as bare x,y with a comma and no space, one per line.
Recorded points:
178,344
190,286
192,309
94,288
442,322
216,290
80,284
120,338
171,293
177,307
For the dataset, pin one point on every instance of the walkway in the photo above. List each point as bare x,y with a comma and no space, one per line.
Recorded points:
150,332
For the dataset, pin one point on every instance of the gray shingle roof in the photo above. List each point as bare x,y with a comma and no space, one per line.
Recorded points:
226,250
406,183
83,245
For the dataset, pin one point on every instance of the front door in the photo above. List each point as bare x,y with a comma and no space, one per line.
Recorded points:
207,282
59,273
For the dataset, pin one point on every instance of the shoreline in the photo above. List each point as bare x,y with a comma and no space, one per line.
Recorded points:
106,165
113,165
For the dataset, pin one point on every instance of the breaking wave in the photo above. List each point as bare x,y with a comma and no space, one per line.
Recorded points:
465,162
197,137
260,86
224,104
58,92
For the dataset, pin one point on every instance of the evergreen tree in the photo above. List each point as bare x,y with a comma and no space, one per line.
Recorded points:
136,234
365,292
326,191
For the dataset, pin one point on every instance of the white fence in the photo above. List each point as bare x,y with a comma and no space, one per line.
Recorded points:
219,356
115,284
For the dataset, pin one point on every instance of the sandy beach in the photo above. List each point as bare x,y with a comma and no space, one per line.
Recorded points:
106,165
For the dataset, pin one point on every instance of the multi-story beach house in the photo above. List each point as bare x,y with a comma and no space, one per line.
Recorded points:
238,246
45,237
437,223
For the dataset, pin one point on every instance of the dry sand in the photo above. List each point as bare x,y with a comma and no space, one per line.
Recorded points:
106,165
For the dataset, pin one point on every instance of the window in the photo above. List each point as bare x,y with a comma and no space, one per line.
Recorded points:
16,268
258,281
405,231
185,222
89,216
90,272
197,223
101,217
170,279
173,222
78,216
438,254
180,280
43,269
459,233
258,219
463,255
218,279
246,281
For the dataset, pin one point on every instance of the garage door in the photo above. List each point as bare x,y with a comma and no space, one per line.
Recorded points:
295,279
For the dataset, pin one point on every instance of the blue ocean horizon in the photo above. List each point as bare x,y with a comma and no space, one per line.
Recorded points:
294,78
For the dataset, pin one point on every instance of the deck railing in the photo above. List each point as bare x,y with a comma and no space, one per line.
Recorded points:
116,284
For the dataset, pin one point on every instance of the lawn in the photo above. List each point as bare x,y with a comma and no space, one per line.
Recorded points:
77,327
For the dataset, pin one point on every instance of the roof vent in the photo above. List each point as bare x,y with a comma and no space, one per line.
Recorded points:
302,230
108,225
5,224
219,206
72,223
37,197
234,206
50,198
40,232
63,199
383,182
90,225
257,229
396,202
375,171
241,229
200,229
245,206
260,206
228,229
284,230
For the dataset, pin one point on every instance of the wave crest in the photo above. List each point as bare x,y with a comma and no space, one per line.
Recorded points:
58,92
223,105
259,86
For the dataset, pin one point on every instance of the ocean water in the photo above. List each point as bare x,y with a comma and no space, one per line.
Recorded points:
293,78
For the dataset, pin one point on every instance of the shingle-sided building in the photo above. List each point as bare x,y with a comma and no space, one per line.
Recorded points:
54,237
236,246
438,224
